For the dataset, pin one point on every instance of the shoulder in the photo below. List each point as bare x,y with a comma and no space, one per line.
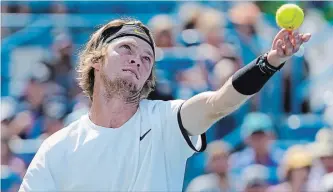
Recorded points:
205,182
276,154
158,105
278,188
206,178
62,136
241,158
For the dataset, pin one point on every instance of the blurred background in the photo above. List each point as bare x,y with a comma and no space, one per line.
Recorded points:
280,140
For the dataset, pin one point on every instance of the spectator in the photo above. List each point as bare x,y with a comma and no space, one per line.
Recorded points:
324,135
5,32
211,25
255,178
31,105
217,178
189,13
55,111
257,131
59,16
295,169
222,49
323,163
162,28
250,40
327,183
318,56
221,72
244,17
22,9
12,168
58,8
62,66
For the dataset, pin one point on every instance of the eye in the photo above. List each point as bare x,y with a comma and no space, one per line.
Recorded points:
126,47
147,58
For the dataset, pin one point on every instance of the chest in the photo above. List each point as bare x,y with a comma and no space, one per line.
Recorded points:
110,161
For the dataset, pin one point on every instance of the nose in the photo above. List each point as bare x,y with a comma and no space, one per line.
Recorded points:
133,62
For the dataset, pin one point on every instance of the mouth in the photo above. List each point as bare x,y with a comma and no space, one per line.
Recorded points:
131,71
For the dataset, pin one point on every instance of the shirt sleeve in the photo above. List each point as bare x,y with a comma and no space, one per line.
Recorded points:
173,137
38,176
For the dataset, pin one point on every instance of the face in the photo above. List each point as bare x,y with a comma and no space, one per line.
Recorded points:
328,163
35,94
256,189
215,37
4,151
247,30
128,64
219,164
259,141
164,39
299,177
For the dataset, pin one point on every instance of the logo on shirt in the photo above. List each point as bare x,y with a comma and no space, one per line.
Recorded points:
138,32
144,135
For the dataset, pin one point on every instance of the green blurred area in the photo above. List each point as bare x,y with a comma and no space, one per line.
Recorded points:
270,7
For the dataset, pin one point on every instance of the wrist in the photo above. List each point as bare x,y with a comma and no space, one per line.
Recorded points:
274,60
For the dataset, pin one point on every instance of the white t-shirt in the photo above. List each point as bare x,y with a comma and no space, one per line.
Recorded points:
87,157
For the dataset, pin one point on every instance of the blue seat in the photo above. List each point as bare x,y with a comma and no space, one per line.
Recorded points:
301,127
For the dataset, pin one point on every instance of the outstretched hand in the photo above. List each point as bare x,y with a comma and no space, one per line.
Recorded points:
285,45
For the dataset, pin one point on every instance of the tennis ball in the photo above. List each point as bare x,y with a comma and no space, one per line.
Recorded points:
289,16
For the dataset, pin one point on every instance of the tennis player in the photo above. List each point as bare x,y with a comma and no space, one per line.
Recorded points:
129,143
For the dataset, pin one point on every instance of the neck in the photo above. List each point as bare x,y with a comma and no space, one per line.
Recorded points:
296,188
111,112
4,160
261,157
224,182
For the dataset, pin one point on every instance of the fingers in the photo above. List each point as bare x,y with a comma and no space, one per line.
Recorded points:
279,48
306,37
298,43
279,36
288,47
282,33
287,43
293,38
300,39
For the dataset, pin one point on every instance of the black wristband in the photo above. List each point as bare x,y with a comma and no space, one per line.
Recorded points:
266,67
251,78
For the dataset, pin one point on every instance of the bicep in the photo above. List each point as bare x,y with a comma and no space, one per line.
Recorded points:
176,141
201,111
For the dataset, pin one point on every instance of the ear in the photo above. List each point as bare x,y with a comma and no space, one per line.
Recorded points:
96,63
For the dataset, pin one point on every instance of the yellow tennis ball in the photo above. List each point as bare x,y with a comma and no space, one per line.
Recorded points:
289,16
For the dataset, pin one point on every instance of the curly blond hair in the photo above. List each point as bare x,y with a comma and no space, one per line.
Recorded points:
95,51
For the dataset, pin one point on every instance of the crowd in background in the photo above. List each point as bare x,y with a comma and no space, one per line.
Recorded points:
281,140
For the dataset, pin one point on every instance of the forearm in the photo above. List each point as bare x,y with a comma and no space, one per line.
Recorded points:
226,100
242,85
201,111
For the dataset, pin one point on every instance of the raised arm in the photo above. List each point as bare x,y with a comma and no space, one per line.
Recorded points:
201,111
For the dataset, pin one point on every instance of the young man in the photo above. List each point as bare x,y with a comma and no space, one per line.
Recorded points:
128,143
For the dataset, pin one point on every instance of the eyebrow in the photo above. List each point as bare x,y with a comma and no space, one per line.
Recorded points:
148,52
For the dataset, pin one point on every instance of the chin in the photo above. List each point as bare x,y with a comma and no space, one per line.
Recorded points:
130,83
